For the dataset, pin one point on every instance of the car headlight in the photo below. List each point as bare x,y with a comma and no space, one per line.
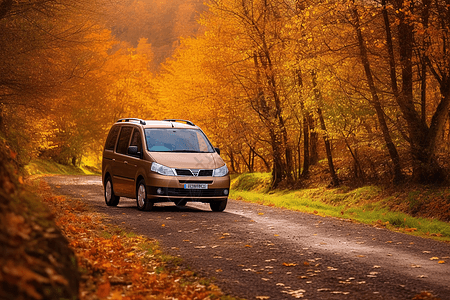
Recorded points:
219,172
163,170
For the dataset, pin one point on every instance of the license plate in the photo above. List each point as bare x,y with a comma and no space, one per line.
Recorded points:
195,186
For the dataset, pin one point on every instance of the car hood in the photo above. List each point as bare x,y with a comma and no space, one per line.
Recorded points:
188,160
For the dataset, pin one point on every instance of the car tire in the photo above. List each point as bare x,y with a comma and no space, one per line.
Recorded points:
218,205
110,198
141,197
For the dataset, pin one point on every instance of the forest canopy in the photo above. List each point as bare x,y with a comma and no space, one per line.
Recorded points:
360,89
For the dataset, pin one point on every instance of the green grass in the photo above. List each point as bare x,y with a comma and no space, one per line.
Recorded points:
42,166
367,204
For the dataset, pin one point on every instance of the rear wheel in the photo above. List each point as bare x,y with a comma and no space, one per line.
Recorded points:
110,198
141,197
218,205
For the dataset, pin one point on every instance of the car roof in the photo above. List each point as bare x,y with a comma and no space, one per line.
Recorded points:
169,123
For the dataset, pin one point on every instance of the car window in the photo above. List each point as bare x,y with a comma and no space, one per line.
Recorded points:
112,137
124,138
177,140
136,139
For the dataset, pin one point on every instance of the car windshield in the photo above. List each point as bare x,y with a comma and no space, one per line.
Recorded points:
177,140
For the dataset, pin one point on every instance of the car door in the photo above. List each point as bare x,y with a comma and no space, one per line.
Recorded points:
122,177
131,163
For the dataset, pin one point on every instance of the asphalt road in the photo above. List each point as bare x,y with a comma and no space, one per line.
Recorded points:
255,251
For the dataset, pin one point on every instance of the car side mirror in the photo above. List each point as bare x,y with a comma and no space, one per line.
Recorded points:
217,150
133,150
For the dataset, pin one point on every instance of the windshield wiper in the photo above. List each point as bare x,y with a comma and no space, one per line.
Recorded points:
189,151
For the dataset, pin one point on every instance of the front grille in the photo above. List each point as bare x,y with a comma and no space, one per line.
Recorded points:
193,172
205,173
180,192
196,181
194,193
183,172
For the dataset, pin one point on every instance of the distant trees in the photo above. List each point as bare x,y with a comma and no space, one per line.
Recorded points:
61,86
372,78
279,85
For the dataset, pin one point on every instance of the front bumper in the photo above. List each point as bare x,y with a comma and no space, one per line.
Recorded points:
172,188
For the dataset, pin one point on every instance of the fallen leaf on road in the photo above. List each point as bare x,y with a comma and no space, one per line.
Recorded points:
441,262
260,214
262,297
434,258
104,289
289,264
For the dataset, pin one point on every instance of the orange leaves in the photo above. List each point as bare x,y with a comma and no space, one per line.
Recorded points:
113,261
289,264
17,226
104,289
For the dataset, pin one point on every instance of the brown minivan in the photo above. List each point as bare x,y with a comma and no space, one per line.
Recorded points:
163,161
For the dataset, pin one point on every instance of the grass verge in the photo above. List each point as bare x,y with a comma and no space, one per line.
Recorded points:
116,264
408,209
43,166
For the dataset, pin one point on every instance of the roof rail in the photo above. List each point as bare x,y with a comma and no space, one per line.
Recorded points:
179,120
142,122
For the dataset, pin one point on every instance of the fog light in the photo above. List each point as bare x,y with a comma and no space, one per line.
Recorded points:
225,192
159,191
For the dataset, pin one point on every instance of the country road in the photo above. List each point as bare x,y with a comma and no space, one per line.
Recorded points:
255,251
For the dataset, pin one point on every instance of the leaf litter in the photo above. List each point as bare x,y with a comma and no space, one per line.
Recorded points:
117,265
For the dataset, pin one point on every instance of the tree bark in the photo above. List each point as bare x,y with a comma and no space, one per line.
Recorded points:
422,138
395,158
334,177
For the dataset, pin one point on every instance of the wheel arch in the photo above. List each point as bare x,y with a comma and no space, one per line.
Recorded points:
138,179
106,175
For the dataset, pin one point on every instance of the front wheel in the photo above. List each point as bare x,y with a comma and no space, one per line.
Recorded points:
141,197
218,205
110,198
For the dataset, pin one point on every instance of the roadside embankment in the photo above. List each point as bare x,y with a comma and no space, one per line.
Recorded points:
414,209
35,258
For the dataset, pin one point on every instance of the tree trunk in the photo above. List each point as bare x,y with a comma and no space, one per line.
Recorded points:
306,158
398,175
422,138
334,178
